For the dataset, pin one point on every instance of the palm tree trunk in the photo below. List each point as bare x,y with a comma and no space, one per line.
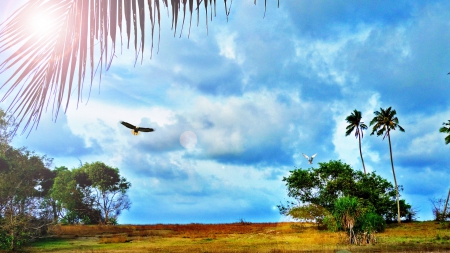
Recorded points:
446,204
395,179
360,153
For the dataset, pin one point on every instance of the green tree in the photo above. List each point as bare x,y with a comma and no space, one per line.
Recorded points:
446,129
72,198
22,213
81,38
355,123
352,215
383,122
109,189
92,193
334,179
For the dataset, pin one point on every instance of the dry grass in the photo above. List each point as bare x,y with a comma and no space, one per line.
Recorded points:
238,237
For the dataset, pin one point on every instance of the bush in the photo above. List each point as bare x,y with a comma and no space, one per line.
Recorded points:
330,222
372,222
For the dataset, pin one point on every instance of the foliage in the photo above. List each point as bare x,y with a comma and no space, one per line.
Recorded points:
355,123
372,222
82,36
91,194
361,223
309,213
446,129
334,179
32,196
23,215
385,121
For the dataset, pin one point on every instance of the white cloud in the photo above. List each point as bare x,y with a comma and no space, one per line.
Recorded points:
227,46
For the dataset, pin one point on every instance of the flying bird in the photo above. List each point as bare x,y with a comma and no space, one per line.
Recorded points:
135,129
310,159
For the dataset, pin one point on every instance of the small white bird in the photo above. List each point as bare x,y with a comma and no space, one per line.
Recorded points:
308,158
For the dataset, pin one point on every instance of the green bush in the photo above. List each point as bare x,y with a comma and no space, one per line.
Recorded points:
371,222
330,222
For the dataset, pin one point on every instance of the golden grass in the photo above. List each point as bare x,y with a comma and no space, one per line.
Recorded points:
238,237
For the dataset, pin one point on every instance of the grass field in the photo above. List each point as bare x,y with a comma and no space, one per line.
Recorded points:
238,237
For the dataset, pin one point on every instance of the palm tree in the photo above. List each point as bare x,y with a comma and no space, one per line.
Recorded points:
383,122
446,129
354,120
51,64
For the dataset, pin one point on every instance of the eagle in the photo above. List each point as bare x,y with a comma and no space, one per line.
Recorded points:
135,129
310,159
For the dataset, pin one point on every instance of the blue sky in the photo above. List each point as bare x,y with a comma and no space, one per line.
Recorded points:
257,92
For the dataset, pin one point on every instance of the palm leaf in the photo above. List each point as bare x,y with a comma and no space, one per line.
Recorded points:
45,69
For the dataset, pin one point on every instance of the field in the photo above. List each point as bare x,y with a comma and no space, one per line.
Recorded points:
238,237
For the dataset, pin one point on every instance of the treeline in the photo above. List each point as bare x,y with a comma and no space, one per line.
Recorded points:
33,196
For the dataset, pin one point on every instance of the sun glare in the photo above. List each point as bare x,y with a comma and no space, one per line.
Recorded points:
41,23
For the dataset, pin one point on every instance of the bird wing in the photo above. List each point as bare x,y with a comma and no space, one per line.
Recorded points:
313,155
305,156
127,125
145,129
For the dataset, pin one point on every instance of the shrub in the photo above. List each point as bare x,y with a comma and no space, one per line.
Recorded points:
371,223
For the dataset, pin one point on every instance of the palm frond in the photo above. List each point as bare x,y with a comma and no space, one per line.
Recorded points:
46,67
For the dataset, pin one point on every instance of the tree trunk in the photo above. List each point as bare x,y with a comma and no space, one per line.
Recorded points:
445,207
395,179
360,153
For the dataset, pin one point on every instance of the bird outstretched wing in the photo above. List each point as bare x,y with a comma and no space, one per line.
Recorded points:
145,129
305,156
127,125
313,155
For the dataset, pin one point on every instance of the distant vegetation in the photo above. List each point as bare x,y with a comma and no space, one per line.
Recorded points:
32,196
340,198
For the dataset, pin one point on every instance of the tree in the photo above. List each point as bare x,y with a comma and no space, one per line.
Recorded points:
109,189
383,122
92,193
23,216
355,123
358,219
72,194
446,129
80,39
334,179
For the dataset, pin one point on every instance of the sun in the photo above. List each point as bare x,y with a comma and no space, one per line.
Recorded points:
41,23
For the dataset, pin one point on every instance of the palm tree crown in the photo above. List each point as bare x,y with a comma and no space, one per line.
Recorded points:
384,121
354,120
355,123
446,129
50,65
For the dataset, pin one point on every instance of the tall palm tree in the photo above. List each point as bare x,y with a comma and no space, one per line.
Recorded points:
51,64
446,129
355,123
383,122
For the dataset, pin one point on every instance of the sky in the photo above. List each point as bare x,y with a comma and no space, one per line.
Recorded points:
235,106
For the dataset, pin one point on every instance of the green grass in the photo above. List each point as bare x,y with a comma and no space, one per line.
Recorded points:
257,237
